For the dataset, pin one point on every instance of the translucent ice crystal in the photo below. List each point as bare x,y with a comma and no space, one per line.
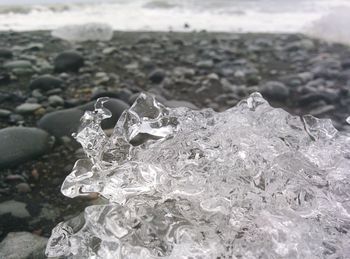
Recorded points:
250,182
84,32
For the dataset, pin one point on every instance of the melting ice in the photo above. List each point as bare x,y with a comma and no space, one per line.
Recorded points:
250,182
84,32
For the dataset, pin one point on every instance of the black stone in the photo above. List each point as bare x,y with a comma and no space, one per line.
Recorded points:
20,144
68,61
5,53
157,76
46,83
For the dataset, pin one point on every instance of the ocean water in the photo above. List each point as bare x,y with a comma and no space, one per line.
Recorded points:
163,15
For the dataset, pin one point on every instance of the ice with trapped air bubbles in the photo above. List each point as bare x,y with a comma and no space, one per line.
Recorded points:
250,182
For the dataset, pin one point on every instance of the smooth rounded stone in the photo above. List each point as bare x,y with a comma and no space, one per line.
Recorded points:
61,123
322,110
55,100
15,208
65,122
184,71
307,99
46,83
20,144
68,61
4,78
23,188
276,91
177,104
109,50
23,245
18,64
205,64
26,108
5,53
157,76
4,113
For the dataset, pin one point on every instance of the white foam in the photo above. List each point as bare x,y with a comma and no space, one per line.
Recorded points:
238,16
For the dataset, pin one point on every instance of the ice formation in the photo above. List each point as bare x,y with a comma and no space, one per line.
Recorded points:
84,32
250,182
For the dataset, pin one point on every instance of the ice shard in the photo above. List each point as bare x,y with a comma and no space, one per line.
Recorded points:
84,32
250,182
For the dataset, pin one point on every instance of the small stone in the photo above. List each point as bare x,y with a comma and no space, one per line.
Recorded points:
35,46
276,91
20,144
35,174
46,83
23,188
322,110
15,208
68,61
55,100
27,108
108,51
4,113
23,64
5,78
23,245
157,76
5,53
206,64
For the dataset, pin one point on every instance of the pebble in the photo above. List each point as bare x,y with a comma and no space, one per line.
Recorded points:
24,64
4,113
15,208
275,91
23,245
56,100
46,83
20,144
23,188
26,108
205,64
5,53
157,76
68,61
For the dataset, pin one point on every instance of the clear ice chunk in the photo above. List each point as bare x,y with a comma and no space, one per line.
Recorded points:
249,182
84,32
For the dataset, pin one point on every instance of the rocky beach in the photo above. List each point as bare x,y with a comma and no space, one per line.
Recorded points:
46,85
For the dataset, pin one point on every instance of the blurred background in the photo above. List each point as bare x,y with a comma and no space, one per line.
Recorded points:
58,57
164,15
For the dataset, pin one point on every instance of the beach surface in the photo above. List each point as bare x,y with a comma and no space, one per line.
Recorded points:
46,84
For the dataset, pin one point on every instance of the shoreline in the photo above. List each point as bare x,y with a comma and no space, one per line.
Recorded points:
197,69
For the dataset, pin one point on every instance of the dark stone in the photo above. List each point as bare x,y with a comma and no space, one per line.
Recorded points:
157,76
65,122
4,78
310,98
46,83
276,91
68,61
20,144
5,53
61,123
